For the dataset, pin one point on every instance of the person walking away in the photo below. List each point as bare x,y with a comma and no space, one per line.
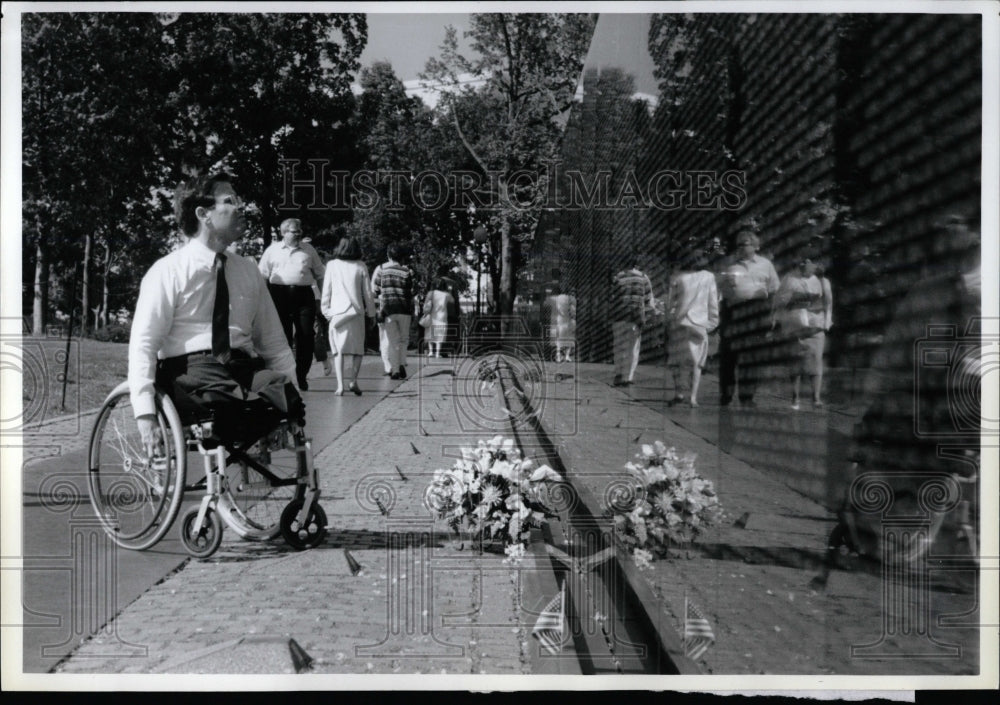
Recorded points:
291,268
746,286
392,289
562,323
205,329
693,313
803,307
346,302
631,295
435,319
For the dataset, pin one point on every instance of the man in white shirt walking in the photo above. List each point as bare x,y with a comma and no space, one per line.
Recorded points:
291,268
746,287
205,328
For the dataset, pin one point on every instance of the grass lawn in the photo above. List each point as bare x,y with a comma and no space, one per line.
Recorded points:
94,370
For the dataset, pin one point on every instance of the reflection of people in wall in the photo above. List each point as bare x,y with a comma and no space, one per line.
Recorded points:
924,416
693,313
803,307
745,285
631,295
562,323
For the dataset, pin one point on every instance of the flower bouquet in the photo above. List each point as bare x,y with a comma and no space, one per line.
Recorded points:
493,494
672,503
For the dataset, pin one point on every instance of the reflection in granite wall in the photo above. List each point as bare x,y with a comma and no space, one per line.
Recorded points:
856,133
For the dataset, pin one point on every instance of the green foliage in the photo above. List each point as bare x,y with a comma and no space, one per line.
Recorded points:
114,333
397,133
119,107
504,106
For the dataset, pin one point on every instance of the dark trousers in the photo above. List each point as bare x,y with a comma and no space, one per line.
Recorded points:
297,310
202,387
742,327
322,329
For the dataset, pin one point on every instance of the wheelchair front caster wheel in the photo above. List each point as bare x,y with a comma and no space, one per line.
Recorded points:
309,533
204,542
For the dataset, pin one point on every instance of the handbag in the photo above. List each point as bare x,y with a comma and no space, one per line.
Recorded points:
425,321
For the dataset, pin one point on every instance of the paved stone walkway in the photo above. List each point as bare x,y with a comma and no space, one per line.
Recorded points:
418,605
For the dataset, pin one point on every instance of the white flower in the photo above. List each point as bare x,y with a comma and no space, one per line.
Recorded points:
545,474
643,558
491,495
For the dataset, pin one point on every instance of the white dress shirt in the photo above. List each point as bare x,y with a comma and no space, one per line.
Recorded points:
292,265
748,279
174,316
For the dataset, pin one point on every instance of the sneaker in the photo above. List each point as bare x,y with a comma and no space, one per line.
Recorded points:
393,375
817,404
402,372
795,406
303,385
618,382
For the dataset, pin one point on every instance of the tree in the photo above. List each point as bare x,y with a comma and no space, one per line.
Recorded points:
255,89
88,144
397,135
504,106
118,107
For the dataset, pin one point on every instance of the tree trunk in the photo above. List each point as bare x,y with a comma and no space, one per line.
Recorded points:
104,286
40,303
506,302
85,298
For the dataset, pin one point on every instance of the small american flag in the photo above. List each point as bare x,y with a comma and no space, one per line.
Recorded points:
698,634
549,627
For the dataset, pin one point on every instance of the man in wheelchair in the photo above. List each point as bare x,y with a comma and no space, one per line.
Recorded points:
206,330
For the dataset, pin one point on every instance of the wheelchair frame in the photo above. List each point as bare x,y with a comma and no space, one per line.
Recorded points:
137,498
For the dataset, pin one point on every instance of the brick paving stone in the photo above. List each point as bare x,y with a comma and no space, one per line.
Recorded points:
347,624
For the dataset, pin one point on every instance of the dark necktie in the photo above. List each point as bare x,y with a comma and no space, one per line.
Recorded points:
220,313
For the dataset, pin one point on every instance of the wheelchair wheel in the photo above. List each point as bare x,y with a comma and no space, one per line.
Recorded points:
206,541
307,535
136,499
251,501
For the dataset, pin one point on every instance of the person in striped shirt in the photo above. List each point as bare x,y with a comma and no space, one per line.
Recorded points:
631,294
392,289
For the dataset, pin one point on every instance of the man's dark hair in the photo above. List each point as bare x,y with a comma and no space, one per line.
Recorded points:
397,252
198,191
347,248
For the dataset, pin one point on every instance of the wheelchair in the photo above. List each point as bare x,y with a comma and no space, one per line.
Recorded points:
259,488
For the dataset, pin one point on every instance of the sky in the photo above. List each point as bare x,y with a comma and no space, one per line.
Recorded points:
407,40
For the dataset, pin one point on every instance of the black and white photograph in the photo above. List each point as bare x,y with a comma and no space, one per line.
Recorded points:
485,346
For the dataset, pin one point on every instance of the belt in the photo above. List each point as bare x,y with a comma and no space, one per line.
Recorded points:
292,286
186,356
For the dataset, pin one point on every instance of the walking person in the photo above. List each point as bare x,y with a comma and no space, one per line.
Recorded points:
631,296
562,323
205,328
291,268
437,305
346,302
392,289
746,286
803,307
693,313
